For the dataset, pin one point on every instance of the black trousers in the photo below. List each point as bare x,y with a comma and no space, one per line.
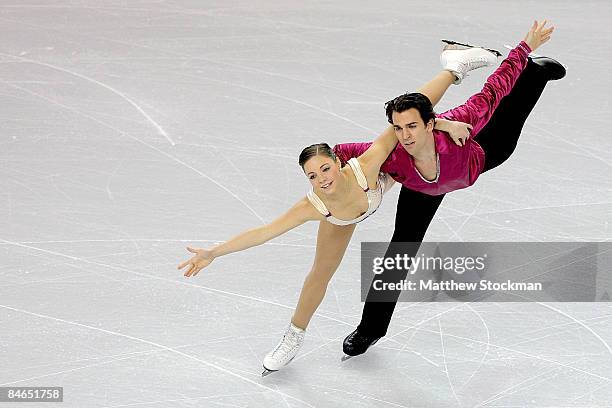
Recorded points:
415,210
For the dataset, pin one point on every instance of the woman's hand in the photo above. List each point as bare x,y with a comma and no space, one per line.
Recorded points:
459,132
201,259
538,35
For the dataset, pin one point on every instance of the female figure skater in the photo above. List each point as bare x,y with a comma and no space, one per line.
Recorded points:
341,196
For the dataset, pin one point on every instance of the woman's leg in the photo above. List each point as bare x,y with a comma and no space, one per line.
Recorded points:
500,136
332,241
436,88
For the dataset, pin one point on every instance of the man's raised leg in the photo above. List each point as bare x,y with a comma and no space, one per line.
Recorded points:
500,135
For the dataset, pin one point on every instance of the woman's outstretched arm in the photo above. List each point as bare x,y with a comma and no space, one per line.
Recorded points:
297,215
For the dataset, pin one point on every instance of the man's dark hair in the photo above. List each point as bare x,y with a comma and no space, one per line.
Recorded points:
411,100
315,150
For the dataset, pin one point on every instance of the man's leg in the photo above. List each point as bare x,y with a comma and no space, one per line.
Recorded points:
415,211
500,136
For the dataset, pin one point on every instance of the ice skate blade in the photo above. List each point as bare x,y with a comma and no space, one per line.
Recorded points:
346,357
267,372
494,51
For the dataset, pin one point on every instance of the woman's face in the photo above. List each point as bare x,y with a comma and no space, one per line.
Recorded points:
323,173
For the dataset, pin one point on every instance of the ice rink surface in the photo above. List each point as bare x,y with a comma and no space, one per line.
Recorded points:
132,129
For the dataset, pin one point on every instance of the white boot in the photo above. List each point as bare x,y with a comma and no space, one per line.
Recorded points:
286,349
460,60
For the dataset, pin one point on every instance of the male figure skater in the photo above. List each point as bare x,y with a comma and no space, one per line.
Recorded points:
428,164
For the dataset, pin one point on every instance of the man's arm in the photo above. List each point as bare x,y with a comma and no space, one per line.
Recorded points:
479,108
346,151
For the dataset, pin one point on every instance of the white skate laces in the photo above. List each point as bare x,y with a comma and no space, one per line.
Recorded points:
461,61
286,349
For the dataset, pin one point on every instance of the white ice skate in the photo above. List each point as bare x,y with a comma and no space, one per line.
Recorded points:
285,351
461,58
463,46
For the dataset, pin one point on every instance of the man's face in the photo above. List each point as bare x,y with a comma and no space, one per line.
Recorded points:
410,130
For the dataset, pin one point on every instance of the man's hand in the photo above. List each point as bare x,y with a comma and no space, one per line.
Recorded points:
538,35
